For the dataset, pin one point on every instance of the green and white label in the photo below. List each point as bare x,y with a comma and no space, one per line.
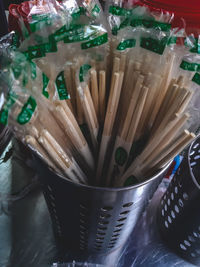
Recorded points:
190,66
121,156
154,45
7,107
61,86
196,78
27,111
96,10
102,39
33,70
129,43
150,23
132,180
83,72
45,85
119,11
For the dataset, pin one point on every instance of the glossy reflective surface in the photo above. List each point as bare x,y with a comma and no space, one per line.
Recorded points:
26,237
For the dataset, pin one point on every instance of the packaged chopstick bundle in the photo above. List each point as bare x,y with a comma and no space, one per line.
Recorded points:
31,116
73,29
164,101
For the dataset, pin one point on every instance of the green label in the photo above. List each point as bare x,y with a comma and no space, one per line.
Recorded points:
196,78
172,40
83,71
76,33
33,70
6,108
61,86
96,42
132,180
78,12
50,47
27,111
45,85
154,45
129,43
119,11
4,116
39,21
196,48
121,156
190,66
96,10
36,52
150,23
17,70
15,41
25,79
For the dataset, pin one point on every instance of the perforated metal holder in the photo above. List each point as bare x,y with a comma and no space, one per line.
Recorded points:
179,210
92,220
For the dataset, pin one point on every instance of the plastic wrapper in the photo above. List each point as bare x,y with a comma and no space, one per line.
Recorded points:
129,92
31,115
157,58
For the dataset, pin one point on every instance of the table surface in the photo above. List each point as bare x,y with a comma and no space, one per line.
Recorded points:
25,227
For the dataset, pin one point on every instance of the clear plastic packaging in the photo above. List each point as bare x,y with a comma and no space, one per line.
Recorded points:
118,97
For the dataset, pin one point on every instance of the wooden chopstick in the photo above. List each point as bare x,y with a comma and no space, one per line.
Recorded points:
95,91
102,95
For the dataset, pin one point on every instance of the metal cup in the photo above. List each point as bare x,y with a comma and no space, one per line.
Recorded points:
93,220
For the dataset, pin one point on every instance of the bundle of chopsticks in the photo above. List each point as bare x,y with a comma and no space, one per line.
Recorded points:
90,137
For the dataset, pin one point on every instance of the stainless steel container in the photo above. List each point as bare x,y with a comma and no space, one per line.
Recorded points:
178,213
94,220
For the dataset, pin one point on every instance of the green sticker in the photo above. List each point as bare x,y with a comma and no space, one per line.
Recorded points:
196,48
96,10
6,108
95,42
76,33
154,45
4,116
129,43
61,86
50,47
83,71
121,156
151,23
15,41
190,66
78,12
45,85
17,70
172,40
119,11
60,34
27,111
36,52
39,21
132,180
196,78
33,70
25,79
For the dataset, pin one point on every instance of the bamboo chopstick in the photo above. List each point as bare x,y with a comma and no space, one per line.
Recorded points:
71,127
95,91
113,101
102,95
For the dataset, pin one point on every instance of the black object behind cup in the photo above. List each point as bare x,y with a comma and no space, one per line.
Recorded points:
179,211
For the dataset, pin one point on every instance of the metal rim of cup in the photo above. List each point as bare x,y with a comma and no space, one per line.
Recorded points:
118,189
